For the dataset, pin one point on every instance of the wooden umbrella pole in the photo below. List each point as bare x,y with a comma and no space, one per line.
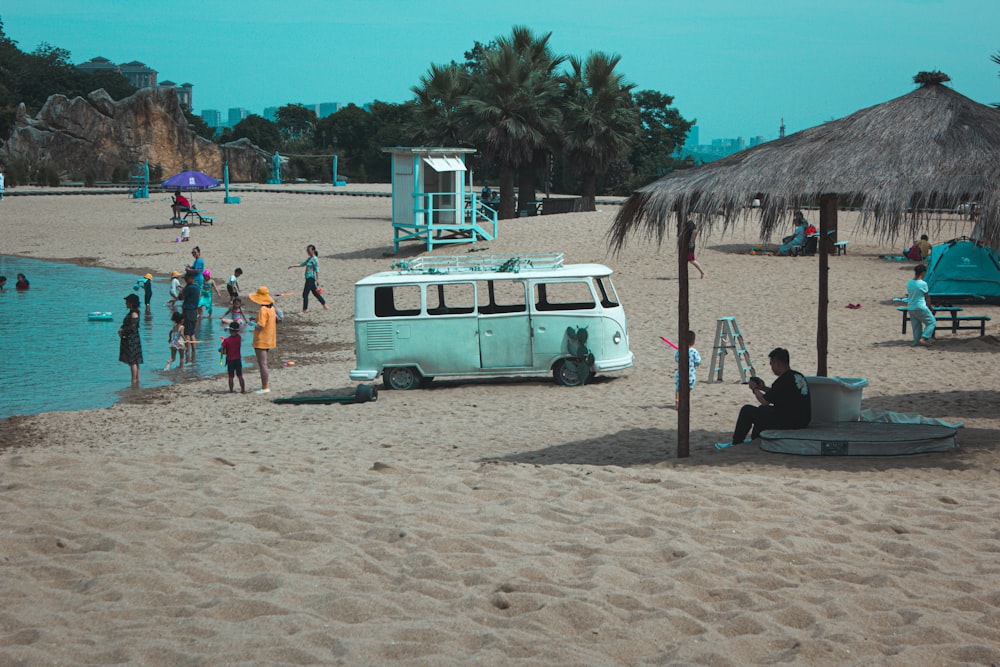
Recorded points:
683,324
827,223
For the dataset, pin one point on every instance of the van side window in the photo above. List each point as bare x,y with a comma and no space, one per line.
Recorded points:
501,296
607,292
397,301
574,295
451,299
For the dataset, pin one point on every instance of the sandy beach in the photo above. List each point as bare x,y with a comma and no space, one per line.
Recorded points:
496,521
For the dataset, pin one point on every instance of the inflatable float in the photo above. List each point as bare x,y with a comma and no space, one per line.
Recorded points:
100,316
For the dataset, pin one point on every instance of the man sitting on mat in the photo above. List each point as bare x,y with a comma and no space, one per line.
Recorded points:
786,404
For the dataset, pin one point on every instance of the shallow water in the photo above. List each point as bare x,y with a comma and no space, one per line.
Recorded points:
52,357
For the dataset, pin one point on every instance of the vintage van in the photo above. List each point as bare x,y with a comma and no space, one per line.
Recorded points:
488,315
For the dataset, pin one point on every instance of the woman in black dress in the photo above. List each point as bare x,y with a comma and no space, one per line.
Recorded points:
130,348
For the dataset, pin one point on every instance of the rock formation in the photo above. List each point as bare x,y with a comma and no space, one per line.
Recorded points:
96,135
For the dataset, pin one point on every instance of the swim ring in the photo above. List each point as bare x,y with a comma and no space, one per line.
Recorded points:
100,316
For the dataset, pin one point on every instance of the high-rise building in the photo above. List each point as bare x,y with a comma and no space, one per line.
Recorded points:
692,137
236,114
271,113
327,109
212,117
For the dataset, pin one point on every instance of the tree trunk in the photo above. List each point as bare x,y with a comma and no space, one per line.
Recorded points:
526,190
506,192
589,191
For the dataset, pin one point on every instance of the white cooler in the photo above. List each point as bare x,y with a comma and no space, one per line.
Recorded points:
835,399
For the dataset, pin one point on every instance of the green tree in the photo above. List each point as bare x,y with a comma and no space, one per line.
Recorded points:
259,131
662,130
347,133
295,121
394,126
198,124
31,78
513,109
437,115
599,118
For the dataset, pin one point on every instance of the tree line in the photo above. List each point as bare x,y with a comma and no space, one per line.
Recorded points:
537,119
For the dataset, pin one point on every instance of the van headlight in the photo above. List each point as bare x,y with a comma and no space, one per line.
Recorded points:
617,338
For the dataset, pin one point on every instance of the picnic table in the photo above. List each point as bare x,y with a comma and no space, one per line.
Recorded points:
950,314
188,213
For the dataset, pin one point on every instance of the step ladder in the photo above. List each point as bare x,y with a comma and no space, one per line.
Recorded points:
728,337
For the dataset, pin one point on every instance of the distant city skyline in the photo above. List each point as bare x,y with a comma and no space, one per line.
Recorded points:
736,68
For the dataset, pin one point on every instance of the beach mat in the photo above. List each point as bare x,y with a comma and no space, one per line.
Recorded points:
860,439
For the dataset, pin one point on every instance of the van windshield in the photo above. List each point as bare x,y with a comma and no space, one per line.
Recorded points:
609,298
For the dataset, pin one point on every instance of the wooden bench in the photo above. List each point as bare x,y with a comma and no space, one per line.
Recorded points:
200,215
962,321
944,315
841,247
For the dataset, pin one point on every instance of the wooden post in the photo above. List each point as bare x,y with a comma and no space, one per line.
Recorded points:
683,325
827,221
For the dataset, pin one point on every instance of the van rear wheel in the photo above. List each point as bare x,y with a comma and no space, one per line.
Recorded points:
401,378
570,373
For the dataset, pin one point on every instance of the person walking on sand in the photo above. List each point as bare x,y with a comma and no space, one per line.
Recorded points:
130,347
1,185
265,334
918,302
312,278
691,233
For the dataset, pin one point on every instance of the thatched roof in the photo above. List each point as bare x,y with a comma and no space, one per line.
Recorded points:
900,162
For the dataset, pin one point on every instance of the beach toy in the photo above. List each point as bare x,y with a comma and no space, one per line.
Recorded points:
100,316
177,240
668,342
289,363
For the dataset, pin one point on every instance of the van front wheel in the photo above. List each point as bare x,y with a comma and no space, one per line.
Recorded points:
570,372
401,378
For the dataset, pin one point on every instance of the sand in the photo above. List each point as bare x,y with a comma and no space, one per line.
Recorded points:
495,521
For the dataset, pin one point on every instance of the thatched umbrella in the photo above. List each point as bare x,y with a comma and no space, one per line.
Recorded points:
899,163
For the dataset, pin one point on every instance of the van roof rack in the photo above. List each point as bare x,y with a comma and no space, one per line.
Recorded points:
466,264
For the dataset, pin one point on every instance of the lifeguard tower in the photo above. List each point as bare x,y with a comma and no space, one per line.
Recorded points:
138,181
431,201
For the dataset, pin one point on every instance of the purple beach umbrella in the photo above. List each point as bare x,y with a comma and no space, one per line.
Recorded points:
189,180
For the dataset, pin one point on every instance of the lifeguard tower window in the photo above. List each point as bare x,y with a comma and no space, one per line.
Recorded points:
501,296
607,296
575,295
451,299
397,301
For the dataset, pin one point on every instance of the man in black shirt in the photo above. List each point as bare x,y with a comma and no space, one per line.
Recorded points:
786,404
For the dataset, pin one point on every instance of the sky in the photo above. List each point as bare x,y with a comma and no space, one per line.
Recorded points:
737,67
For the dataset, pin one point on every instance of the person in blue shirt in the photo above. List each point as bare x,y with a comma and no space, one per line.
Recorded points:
918,302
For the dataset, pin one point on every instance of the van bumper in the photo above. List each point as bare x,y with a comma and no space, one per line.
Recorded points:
363,376
619,364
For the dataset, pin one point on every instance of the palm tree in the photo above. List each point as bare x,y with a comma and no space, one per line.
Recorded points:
512,108
600,118
438,99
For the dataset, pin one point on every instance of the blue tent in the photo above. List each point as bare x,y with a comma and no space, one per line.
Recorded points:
964,269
